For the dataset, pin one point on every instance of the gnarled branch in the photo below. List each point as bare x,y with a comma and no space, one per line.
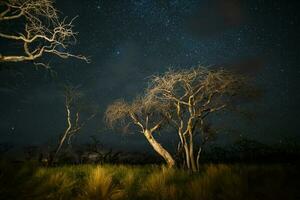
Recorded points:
43,31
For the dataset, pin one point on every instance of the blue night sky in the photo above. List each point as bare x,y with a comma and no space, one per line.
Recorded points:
130,40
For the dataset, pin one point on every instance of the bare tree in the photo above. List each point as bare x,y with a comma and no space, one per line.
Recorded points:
146,114
73,116
193,94
43,31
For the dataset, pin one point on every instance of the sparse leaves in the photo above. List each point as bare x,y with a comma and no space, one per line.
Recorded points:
116,111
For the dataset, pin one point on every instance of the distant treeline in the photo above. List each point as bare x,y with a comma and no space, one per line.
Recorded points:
241,151
251,151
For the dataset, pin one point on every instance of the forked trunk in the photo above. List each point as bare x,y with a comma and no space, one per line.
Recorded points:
185,148
159,149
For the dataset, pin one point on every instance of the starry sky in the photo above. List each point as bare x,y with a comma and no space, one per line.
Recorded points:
130,40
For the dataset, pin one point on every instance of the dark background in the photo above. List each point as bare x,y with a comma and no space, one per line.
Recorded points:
131,40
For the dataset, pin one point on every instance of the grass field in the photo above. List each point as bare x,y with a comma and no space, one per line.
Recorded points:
99,182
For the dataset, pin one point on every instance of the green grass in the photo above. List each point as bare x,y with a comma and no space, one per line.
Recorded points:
101,182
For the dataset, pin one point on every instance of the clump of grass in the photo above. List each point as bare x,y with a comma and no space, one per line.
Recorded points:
13,178
100,186
128,177
216,182
51,184
159,185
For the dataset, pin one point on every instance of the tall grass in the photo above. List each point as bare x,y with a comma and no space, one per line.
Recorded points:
95,182
217,182
100,186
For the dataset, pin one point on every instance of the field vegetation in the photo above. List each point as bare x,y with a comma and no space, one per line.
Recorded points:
101,182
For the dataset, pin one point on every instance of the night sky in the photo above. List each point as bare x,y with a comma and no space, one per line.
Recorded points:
130,40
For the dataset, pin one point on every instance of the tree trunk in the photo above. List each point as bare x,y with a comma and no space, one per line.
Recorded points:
191,144
187,156
185,148
191,153
159,149
66,133
198,158
61,142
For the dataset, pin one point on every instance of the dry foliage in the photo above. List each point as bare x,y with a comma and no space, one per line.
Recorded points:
142,111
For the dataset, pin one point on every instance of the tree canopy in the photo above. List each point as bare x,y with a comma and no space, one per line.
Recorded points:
43,31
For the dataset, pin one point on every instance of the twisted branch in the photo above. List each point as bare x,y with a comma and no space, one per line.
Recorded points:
43,31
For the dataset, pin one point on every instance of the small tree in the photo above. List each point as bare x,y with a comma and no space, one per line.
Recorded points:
145,113
194,94
42,32
75,122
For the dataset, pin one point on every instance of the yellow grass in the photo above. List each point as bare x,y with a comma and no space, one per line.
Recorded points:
104,182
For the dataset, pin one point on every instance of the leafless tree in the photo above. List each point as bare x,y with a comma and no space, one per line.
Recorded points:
193,94
43,31
73,116
146,114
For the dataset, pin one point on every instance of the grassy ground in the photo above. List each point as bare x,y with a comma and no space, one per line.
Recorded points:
97,182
